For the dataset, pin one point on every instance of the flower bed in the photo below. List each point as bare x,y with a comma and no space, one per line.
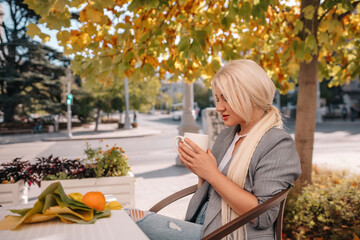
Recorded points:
329,208
106,170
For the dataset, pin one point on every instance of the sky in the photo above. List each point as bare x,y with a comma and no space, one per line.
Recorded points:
53,41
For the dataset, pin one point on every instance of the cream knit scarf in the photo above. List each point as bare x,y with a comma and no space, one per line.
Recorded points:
240,164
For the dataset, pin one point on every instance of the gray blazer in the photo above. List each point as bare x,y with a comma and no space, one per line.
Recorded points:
275,165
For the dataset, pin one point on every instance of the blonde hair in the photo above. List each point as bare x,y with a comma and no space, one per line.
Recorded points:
245,84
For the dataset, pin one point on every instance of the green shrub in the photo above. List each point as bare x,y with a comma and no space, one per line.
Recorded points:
329,208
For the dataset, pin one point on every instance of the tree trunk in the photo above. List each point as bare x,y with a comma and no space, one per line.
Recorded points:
305,117
306,99
9,112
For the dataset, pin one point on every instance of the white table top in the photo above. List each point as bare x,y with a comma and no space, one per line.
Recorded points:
118,226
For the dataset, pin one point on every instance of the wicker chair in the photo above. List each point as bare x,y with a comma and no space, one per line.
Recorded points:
228,228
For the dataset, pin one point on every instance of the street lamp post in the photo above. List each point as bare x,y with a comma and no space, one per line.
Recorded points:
69,102
318,105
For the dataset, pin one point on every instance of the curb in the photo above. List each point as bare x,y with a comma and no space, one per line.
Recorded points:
85,137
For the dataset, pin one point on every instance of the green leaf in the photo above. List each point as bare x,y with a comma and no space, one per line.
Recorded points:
226,22
153,3
323,37
170,64
134,5
300,50
21,212
106,64
76,65
310,42
200,36
105,3
196,48
245,11
264,4
298,27
97,215
129,56
184,44
148,69
256,11
309,12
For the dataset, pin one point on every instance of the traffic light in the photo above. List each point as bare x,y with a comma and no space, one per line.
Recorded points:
69,99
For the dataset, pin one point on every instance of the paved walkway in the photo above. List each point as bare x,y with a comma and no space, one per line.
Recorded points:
105,131
159,179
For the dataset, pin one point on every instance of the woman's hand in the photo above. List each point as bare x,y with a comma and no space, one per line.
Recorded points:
203,164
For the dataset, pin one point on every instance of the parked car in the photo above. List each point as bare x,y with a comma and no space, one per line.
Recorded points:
177,111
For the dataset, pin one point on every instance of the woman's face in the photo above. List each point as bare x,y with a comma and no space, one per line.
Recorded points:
228,115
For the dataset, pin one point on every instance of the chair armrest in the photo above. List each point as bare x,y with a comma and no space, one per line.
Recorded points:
248,216
172,198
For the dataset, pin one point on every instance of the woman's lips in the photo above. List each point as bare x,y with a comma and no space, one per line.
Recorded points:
225,117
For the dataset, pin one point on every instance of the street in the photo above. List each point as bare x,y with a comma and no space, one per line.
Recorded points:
337,146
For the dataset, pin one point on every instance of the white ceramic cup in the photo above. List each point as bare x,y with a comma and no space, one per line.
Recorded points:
200,139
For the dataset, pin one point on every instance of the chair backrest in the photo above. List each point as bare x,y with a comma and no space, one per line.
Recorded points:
238,222
228,228
173,197
279,219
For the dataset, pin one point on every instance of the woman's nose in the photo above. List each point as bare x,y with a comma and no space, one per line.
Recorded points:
220,107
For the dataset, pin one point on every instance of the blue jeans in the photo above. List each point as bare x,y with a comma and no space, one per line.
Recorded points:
159,227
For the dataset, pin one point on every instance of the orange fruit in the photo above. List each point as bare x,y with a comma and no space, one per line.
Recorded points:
95,200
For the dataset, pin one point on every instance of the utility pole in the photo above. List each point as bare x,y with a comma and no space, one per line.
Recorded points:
127,116
69,101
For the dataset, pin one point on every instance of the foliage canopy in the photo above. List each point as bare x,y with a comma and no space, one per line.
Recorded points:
189,39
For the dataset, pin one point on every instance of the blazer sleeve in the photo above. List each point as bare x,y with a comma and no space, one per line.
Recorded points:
277,167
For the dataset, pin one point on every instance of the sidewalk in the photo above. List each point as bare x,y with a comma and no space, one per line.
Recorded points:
105,131
336,144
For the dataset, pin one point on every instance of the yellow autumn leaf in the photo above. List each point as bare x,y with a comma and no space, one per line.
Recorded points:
89,14
10,222
152,60
63,36
33,30
84,215
44,37
114,205
76,196
39,218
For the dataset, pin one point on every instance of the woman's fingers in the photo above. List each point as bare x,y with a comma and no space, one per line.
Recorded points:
193,145
185,162
210,154
184,149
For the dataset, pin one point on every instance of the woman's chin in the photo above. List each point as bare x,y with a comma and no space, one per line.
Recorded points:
228,123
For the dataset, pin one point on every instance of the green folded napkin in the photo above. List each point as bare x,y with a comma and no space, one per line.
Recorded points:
54,203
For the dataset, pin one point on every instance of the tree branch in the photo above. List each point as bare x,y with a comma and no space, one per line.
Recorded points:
340,17
150,34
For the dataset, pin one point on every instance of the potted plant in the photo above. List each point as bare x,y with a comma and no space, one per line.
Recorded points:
105,170
15,177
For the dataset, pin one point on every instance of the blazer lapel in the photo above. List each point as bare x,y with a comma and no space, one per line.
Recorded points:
215,199
219,149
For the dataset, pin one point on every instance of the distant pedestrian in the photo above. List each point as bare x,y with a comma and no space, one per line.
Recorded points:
38,126
352,113
344,112
135,117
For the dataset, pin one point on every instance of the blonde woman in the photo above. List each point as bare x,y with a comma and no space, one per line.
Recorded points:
251,161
